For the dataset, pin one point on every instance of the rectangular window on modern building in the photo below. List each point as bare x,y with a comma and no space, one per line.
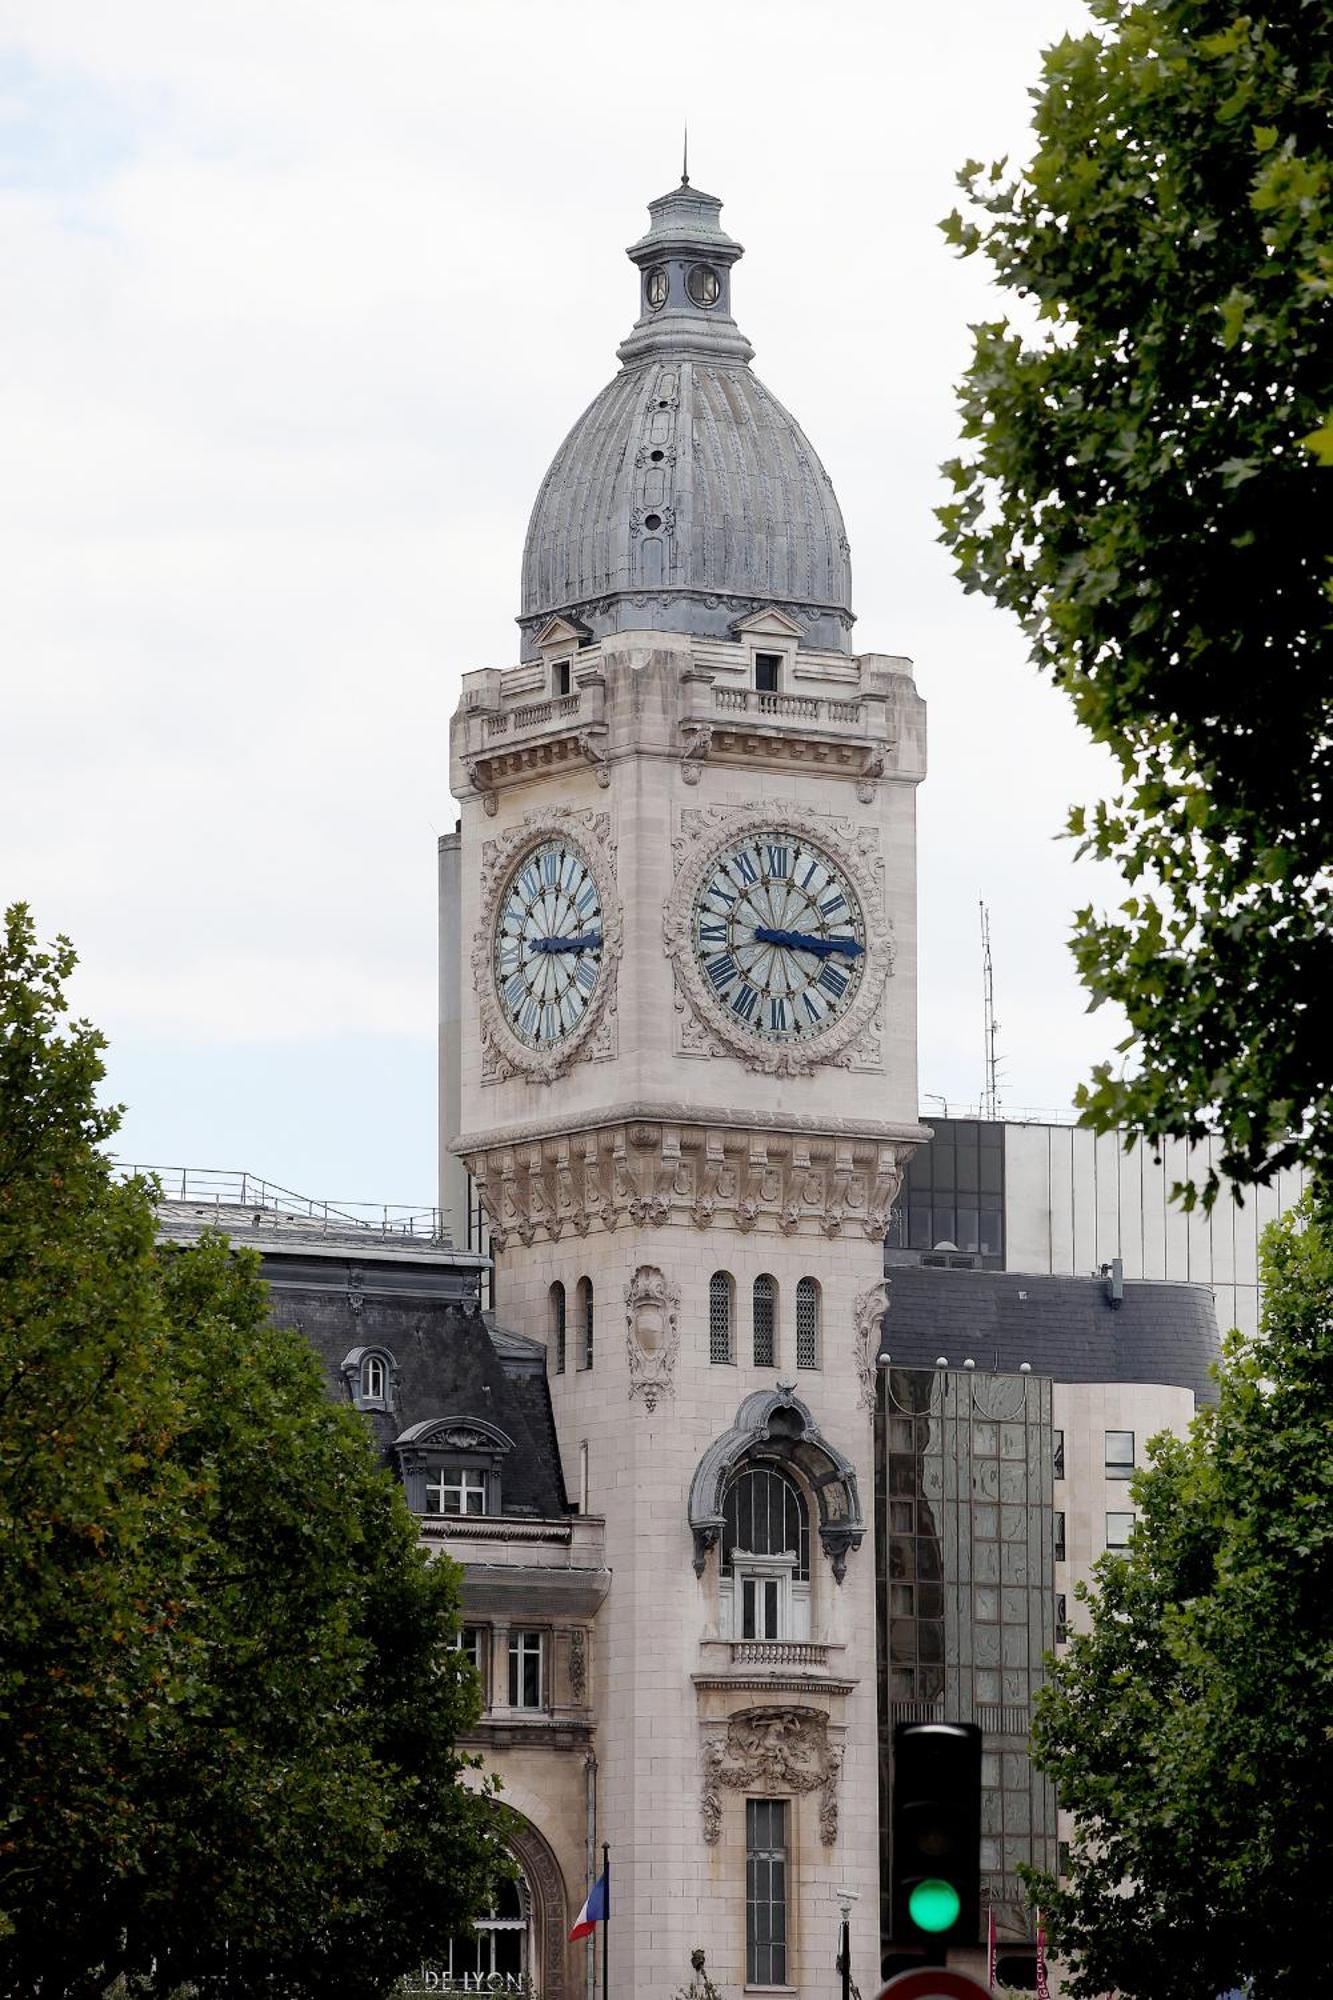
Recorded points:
525,1669
952,1199
765,1892
1119,1528
1119,1454
1058,1454
1059,1523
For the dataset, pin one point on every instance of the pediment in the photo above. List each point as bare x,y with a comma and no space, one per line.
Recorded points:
559,632
461,1433
768,624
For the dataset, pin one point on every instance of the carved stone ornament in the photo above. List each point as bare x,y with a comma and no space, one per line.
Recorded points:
503,1054
652,1337
773,1749
578,1664
795,1183
705,832
867,1314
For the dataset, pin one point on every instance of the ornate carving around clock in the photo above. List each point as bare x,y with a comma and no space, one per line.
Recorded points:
707,832
867,1315
652,1338
503,1054
786,1749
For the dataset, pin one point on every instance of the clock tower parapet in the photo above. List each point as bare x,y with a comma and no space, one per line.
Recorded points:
758,702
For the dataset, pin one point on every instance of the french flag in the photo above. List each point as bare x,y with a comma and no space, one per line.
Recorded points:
596,1909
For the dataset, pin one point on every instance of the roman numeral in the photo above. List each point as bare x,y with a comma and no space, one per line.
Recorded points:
777,1012
745,1002
585,973
514,991
721,970
833,905
779,859
745,868
712,933
833,981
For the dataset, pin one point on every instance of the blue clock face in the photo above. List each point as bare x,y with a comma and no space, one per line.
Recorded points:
779,936
548,944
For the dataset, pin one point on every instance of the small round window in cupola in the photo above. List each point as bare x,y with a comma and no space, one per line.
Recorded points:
652,522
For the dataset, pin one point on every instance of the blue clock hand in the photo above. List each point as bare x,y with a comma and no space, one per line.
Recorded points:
590,941
822,947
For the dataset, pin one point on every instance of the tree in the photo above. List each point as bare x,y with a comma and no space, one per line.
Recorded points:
229,1698
1188,1728
1147,481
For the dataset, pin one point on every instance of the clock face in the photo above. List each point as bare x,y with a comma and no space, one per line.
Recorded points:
779,936
548,944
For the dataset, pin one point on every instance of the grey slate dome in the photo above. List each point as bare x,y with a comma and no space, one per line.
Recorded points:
686,497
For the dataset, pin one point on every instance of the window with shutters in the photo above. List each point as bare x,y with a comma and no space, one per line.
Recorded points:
807,1323
764,1567
766,1892
585,1316
721,1315
765,1308
558,1328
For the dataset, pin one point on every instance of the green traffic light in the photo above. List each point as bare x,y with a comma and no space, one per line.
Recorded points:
933,1905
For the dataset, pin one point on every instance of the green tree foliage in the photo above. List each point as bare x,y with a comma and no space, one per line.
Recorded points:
1189,1728
1147,481
228,1694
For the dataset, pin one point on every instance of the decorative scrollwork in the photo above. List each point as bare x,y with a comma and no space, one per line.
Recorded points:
784,1749
652,1336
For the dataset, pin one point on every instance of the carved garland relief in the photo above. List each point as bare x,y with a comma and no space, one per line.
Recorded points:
705,1027
867,1314
773,1749
503,1054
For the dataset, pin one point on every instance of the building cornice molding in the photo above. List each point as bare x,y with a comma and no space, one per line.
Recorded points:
648,1111
651,1174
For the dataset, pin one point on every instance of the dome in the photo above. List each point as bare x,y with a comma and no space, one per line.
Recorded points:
686,497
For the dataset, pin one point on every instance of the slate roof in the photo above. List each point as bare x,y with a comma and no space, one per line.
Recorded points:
419,1306
1065,1327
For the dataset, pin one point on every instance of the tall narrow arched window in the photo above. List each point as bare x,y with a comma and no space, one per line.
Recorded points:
497,1948
374,1378
585,1318
765,1303
721,1317
807,1323
764,1568
558,1327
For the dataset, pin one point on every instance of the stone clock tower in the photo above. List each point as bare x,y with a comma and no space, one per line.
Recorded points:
685,931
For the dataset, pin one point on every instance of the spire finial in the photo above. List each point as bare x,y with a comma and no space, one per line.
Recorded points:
685,158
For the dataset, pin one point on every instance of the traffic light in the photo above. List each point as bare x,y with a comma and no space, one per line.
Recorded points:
936,1833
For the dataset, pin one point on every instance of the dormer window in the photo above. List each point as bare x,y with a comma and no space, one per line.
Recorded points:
560,670
371,1375
457,1490
452,1468
767,670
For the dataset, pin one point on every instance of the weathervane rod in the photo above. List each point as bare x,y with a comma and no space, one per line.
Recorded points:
685,158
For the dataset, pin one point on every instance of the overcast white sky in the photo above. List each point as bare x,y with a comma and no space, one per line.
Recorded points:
301,297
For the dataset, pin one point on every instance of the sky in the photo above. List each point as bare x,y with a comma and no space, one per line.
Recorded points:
302,297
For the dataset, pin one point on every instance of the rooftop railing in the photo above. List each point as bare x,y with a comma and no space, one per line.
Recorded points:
227,1188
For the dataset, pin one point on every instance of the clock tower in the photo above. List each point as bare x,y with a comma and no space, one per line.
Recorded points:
683,926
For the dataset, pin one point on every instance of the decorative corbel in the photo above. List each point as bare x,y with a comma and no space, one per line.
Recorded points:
592,742
698,740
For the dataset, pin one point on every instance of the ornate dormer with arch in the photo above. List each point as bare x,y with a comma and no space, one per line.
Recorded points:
453,1465
775,1429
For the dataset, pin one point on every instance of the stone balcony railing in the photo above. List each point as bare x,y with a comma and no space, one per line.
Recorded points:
778,1653
791,708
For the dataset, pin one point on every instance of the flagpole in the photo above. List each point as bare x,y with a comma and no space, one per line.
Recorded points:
606,1922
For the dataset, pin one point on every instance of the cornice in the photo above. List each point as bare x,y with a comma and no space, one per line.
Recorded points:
645,1111
649,1173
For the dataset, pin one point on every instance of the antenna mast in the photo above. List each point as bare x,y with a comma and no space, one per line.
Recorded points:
990,1095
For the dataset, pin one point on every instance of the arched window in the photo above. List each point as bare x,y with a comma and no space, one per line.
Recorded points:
765,1321
498,1943
558,1327
585,1315
721,1317
374,1378
807,1323
764,1568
